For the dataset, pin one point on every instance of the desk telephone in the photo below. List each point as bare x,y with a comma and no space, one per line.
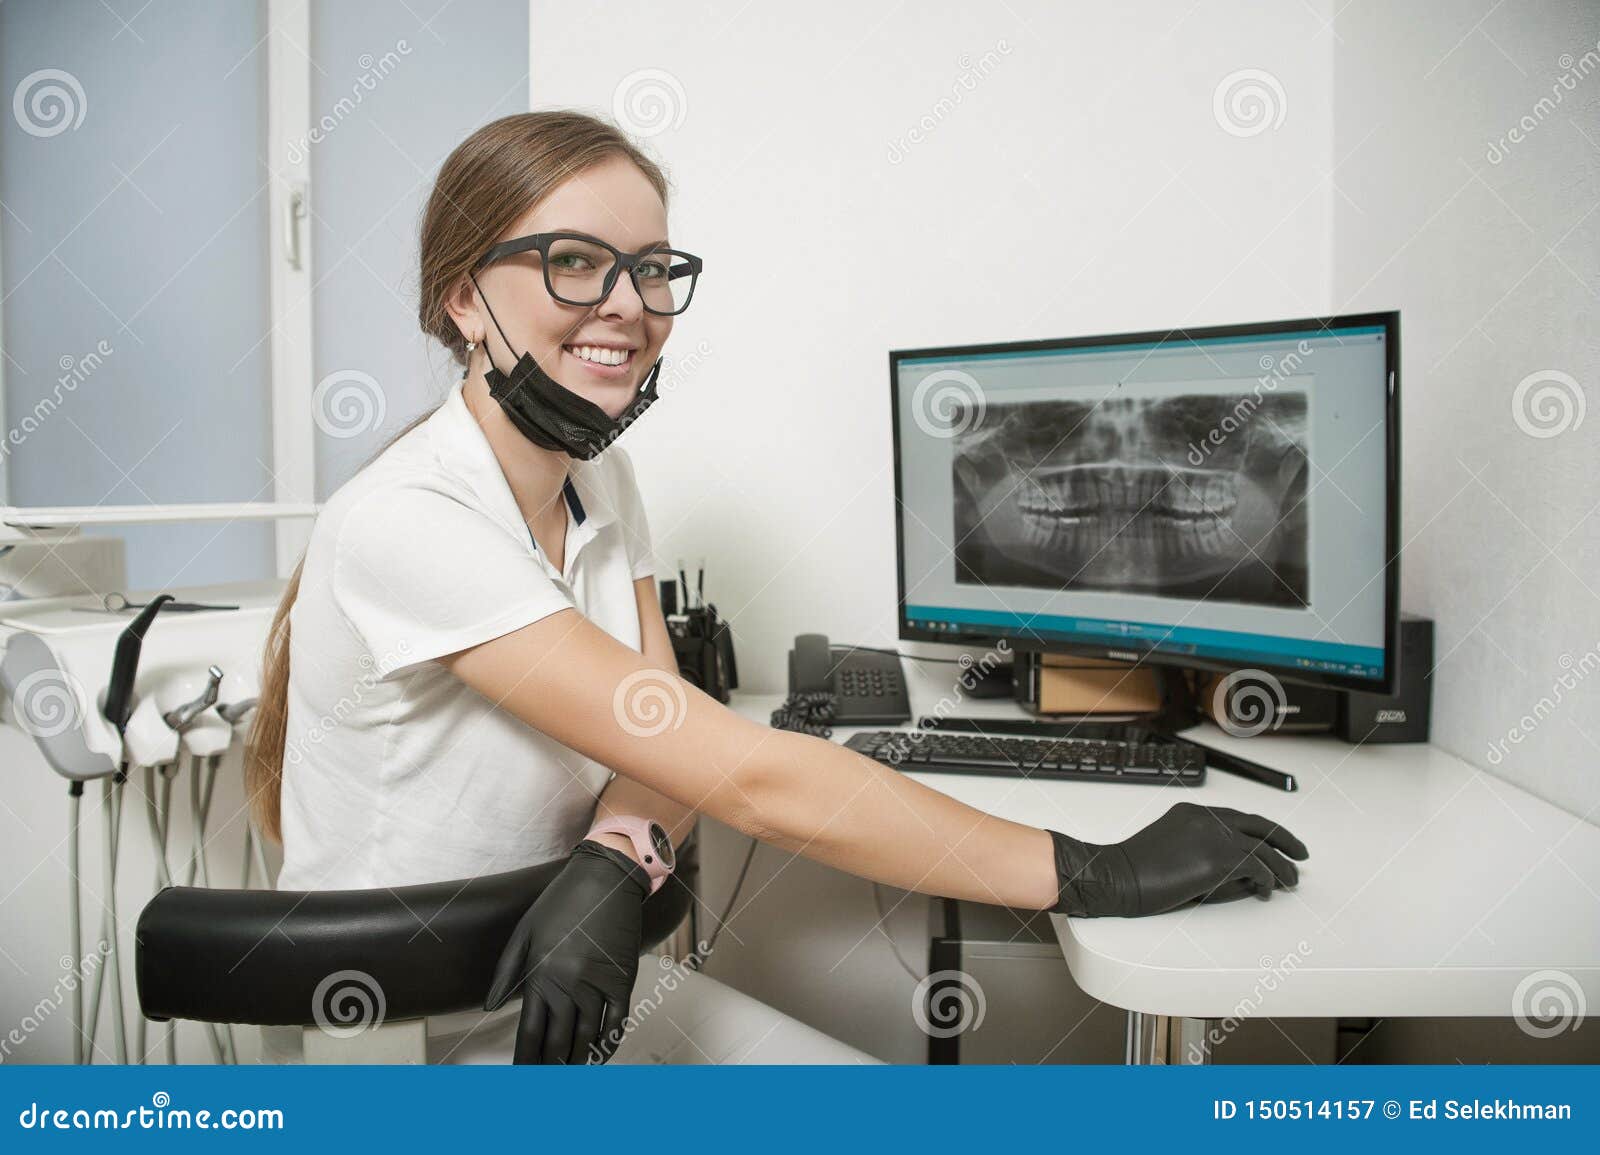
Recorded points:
868,686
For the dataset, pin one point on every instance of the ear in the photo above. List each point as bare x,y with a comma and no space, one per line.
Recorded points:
462,305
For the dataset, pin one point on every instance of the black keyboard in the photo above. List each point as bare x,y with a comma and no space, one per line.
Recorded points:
1151,761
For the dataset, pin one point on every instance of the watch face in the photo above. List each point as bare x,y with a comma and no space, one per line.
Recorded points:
662,843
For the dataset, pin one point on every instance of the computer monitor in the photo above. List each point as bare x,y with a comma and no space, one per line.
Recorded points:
1222,498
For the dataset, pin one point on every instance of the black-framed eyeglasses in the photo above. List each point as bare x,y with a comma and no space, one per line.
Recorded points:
582,270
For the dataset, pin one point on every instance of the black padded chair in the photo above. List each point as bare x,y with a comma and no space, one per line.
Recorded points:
357,971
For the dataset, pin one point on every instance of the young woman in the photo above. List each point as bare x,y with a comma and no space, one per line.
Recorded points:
470,668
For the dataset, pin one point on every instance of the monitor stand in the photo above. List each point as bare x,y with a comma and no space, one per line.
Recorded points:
1179,711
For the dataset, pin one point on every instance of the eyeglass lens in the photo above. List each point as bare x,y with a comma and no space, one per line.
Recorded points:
576,272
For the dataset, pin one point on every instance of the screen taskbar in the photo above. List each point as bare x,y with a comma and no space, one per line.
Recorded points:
1230,646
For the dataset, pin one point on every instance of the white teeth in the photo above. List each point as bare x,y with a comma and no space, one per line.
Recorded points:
599,355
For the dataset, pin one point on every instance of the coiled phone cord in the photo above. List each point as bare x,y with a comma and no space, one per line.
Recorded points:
807,713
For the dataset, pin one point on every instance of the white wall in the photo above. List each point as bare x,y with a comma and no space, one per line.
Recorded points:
1082,185
1491,250
1071,178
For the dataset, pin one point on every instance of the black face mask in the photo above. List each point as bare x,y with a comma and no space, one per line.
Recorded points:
552,416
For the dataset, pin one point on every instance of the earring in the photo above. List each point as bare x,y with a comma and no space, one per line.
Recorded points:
471,345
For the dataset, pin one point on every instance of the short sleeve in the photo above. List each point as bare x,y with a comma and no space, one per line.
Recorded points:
632,518
419,574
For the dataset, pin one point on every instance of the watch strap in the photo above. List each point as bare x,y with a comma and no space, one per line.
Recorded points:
637,831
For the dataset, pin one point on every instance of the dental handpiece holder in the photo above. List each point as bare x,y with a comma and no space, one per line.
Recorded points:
81,688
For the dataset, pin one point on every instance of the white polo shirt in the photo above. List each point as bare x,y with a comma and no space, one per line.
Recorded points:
395,771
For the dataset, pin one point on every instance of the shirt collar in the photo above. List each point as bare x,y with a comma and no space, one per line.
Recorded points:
466,452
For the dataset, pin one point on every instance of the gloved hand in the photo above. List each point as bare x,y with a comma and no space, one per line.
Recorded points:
1190,854
574,956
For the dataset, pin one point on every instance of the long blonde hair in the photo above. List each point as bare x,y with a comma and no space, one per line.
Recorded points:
492,179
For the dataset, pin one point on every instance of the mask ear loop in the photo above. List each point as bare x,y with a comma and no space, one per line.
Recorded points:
492,317
576,326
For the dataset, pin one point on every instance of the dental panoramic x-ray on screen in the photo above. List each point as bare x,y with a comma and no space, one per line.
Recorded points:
1100,495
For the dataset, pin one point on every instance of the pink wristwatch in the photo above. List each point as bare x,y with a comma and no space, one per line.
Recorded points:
650,842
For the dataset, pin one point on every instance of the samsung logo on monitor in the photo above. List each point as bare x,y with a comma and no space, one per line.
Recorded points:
1122,655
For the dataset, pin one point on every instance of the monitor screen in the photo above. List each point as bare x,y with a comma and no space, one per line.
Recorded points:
1223,498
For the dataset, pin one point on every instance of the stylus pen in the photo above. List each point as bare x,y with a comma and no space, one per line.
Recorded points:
1244,768
1114,731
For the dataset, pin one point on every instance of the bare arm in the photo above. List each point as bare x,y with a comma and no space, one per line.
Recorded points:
569,678
623,795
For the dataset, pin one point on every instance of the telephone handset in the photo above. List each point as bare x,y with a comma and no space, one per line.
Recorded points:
868,686
810,665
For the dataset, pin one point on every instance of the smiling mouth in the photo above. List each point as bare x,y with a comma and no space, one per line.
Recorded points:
603,356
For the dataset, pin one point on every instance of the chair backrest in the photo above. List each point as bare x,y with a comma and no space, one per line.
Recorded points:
272,957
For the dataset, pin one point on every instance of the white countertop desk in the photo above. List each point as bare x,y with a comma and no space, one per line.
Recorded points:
1433,888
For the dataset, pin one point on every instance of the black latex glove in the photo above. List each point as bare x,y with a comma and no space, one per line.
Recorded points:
1190,854
574,956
